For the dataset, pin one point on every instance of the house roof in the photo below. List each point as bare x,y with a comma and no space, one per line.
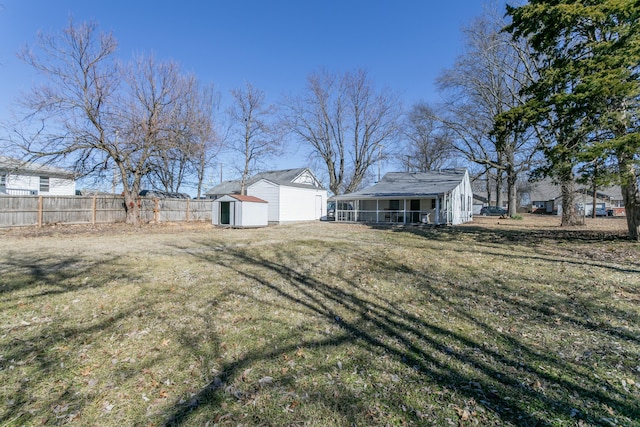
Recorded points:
545,190
280,177
285,177
252,199
16,166
225,187
410,184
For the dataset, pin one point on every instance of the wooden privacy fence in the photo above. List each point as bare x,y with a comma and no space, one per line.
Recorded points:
16,211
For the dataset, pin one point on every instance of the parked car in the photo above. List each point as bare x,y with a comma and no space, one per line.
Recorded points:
163,194
604,212
493,211
331,209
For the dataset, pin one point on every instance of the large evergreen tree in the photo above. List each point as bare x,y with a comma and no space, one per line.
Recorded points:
588,92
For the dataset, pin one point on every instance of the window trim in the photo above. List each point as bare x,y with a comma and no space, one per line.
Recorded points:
45,184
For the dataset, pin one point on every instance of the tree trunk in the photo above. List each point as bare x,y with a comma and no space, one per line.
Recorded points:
512,193
488,175
630,195
499,180
512,178
569,212
594,199
132,207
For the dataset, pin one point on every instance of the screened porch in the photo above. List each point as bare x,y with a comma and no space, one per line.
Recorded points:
392,211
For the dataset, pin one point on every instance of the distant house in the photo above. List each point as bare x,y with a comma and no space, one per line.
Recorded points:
545,197
18,177
235,210
224,188
293,195
435,197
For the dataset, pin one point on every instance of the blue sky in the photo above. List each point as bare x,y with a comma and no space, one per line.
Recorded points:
274,45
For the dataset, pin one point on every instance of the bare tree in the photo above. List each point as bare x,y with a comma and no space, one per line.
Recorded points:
206,142
487,80
148,121
190,137
429,144
70,117
95,115
254,135
346,122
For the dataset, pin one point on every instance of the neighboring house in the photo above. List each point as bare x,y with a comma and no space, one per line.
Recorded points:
435,197
293,195
224,188
235,210
545,197
18,178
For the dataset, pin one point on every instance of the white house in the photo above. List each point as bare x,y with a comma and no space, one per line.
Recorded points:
434,197
293,195
240,211
18,177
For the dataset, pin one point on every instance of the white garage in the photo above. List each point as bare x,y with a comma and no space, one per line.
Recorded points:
293,195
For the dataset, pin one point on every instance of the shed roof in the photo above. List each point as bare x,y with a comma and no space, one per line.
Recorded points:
251,199
410,184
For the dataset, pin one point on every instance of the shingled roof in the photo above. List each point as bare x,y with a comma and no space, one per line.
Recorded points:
280,177
411,184
15,166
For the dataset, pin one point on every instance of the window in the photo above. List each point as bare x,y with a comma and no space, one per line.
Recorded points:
394,205
3,182
44,184
538,204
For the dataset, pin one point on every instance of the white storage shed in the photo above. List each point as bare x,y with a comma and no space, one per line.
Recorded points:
235,210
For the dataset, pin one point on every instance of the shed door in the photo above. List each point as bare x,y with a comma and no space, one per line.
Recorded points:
225,208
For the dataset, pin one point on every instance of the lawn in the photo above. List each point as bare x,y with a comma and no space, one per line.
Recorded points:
499,322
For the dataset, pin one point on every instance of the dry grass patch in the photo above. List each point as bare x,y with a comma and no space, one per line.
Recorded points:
498,322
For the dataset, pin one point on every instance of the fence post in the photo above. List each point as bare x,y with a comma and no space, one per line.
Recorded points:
40,211
187,210
156,210
93,210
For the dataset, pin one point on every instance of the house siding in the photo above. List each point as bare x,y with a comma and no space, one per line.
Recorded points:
461,203
269,192
301,204
306,178
57,186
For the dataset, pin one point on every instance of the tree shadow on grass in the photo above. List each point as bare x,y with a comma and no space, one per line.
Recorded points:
45,275
588,240
497,243
37,336
495,368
